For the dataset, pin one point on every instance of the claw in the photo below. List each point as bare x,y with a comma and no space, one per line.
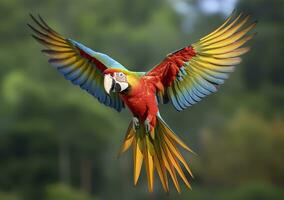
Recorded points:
147,126
135,123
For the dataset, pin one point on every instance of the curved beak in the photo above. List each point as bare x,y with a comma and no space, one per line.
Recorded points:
108,83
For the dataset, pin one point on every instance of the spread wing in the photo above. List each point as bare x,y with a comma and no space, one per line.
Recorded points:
188,75
77,63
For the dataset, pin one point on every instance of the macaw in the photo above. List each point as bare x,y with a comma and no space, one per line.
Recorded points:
183,78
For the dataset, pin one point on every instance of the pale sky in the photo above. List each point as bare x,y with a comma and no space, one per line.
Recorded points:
215,6
190,12
207,6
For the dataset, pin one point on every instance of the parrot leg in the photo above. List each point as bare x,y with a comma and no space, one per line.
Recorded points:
147,126
135,123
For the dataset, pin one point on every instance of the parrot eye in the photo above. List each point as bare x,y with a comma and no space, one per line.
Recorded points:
120,76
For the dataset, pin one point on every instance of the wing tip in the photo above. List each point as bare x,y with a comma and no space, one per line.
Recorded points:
29,25
31,15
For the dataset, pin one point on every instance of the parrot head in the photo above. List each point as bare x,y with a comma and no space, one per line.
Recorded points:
115,81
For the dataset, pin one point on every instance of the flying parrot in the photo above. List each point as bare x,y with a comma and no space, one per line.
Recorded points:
182,78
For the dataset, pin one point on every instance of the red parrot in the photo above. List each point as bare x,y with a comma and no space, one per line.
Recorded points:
183,78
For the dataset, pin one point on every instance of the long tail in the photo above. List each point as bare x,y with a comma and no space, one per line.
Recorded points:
159,152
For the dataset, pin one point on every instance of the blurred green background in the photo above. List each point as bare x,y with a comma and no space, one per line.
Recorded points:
58,143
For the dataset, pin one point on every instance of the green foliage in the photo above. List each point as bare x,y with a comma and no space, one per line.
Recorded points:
8,196
63,192
249,191
245,149
259,191
267,68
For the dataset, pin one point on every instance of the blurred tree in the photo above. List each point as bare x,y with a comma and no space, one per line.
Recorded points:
264,65
247,148
63,192
7,196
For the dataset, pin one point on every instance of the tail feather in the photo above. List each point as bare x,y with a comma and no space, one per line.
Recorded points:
176,165
177,154
148,157
160,166
128,139
159,152
138,160
171,170
173,136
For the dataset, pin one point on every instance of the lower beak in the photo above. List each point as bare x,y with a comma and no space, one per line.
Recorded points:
108,83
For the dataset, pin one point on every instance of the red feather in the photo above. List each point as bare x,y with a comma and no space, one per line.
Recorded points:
168,69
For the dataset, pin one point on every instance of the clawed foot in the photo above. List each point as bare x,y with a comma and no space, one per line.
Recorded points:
147,126
136,124
135,121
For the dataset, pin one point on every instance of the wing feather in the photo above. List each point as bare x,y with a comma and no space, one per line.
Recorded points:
76,62
191,73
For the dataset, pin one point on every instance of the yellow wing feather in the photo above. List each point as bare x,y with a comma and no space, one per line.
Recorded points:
205,64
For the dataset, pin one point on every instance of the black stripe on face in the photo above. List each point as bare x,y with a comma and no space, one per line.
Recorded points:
112,85
117,87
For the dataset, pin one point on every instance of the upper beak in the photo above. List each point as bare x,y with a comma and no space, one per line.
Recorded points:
108,83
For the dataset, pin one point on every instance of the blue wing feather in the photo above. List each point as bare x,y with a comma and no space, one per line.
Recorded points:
78,63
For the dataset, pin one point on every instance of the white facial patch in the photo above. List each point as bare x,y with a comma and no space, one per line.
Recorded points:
123,85
108,83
